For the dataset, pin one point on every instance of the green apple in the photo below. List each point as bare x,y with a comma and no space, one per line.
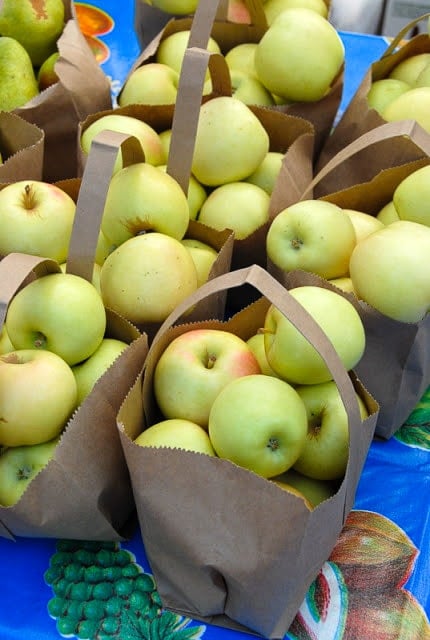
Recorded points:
241,58
299,55
312,235
249,89
326,450
266,174
413,104
46,74
147,276
388,270
36,217
172,48
230,142
344,283
95,281
314,491
5,344
193,369
293,357
240,206
383,91
412,197
18,467
151,83
142,198
410,68
256,344
272,8
388,213
176,433
103,248
60,312
178,7
423,79
196,194
37,396
363,223
165,137
258,422
203,256
147,136
88,372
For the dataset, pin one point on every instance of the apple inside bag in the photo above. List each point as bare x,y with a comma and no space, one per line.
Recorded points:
193,523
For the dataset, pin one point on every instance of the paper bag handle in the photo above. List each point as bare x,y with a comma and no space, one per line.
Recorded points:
405,128
92,196
402,34
14,269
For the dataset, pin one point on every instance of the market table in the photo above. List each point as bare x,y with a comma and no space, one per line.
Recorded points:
376,584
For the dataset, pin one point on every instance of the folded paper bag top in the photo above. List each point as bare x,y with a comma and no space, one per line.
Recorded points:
225,545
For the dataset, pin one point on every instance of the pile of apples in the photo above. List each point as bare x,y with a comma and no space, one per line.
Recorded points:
267,403
380,259
28,49
53,350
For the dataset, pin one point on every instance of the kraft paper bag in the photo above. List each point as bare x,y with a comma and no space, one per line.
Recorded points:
220,539
211,19
396,364
358,117
21,148
82,88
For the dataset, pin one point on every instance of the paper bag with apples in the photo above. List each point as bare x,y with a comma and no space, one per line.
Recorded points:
63,472
383,94
386,278
21,149
266,64
77,87
220,534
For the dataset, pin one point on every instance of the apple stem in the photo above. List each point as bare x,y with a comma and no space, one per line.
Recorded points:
39,341
210,361
28,197
273,444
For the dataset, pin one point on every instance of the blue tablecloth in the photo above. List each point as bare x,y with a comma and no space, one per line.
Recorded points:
376,584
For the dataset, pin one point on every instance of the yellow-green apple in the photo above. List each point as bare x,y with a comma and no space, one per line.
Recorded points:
388,270
240,206
95,280
412,196
258,422
326,450
267,172
292,356
383,91
410,68
90,370
172,48
147,136
363,223
423,79
249,89
241,58
60,312
413,104
256,344
5,343
237,11
103,248
312,235
193,369
176,433
36,217
142,198
288,488
272,8
18,467
196,194
344,283
165,137
151,83
203,256
147,276
37,396
46,74
179,7
314,491
299,55
230,142
388,214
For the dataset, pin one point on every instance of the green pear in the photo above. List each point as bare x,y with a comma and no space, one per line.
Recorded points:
47,74
18,82
36,25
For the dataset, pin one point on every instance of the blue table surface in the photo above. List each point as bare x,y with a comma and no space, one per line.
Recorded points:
390,512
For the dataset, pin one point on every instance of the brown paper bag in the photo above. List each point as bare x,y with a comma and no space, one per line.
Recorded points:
21,148
210,19
82,88
358,117
220,539
396,364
